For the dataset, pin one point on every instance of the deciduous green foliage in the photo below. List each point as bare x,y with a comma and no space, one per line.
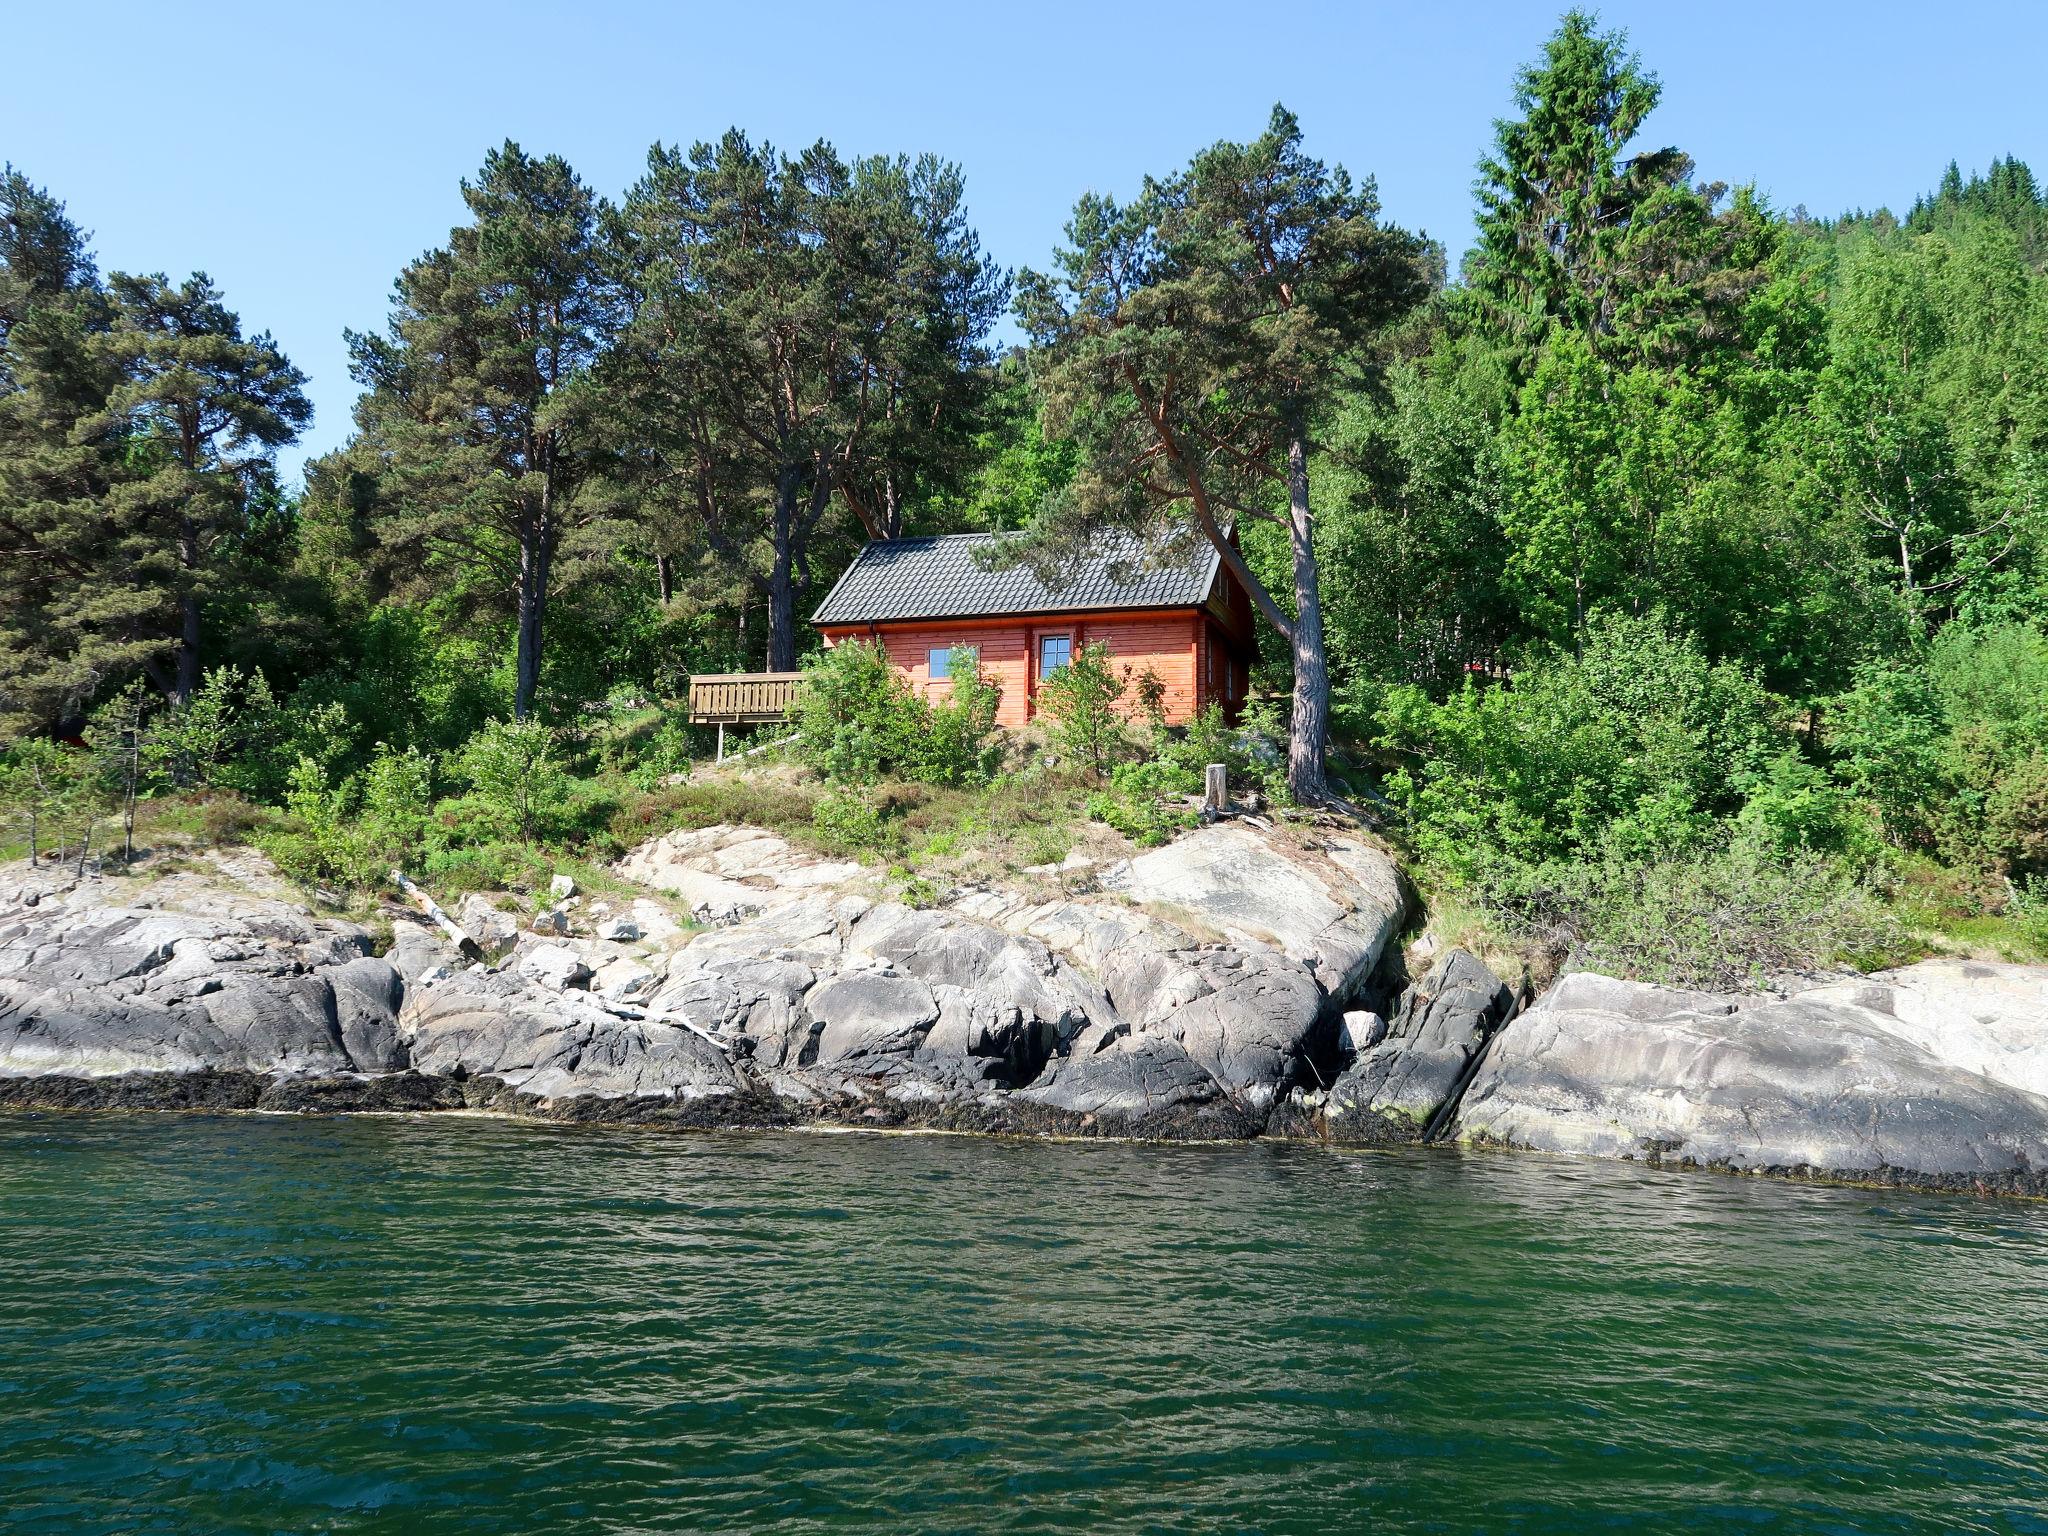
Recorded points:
1638,747
1084,700
1953,750
858,722
38,781
517,775
1191,341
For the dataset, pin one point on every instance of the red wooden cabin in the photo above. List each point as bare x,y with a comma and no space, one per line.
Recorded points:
1189,621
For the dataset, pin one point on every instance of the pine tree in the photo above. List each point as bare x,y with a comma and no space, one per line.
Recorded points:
1190,343
52,378
808,334
477,421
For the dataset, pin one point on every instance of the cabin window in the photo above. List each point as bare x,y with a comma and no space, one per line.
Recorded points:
1054,652
944,661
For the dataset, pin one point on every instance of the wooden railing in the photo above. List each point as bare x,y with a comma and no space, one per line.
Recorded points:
742,698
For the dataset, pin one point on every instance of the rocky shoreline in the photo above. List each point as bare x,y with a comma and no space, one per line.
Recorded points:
1241,982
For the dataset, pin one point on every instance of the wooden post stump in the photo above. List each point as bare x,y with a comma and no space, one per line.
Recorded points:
1215,790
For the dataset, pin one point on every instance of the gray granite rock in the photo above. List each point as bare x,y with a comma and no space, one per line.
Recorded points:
1396,1087
1817,1084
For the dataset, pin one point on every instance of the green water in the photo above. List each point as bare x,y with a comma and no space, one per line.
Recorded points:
434,1325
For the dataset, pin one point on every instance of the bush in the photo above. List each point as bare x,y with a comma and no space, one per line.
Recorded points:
857,721
1948,747
849,821
323,844
1719,921
961,742
1634,749
513,767
1081,702
1133,803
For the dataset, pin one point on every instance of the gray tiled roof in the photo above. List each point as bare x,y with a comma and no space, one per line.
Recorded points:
940,578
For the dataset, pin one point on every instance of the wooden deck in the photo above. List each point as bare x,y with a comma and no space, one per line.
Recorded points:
742,698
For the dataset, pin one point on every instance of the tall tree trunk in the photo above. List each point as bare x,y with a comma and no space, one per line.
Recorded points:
186,681
1310,728
665,575
536,553
782,574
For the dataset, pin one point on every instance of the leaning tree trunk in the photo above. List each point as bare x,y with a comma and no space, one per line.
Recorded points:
1310,727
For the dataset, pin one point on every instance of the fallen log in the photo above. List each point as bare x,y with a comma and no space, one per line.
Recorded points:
471,950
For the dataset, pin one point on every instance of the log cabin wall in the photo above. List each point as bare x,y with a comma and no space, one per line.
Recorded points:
1175,644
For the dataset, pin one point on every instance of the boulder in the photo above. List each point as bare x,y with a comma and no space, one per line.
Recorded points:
1819,1084
104,991
495,930
618,930
1331,908
862,1016
1119,1072
554,965
1396,1086
552,921
622,980
1252,1029
552,1046
726,874
561,888
1983,1017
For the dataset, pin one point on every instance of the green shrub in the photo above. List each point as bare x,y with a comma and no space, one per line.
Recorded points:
518,777
850,821
41,787
1719,921
857,721
324,842
961,742
1948,747
666,752
1134,803
1081,702
1634,749
486,866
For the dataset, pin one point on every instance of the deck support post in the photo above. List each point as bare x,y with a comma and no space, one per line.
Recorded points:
721,741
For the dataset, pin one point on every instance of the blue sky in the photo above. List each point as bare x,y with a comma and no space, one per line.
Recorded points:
301,154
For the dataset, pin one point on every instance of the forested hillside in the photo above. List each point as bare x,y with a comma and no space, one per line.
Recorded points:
1671,579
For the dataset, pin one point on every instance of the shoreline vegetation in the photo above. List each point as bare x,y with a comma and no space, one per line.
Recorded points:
1667,588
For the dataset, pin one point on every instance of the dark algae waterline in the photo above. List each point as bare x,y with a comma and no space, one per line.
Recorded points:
409,1325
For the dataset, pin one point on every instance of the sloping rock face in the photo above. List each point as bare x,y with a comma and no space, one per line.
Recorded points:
95,990
1188,1006
1922,1077
729,874
1397,1088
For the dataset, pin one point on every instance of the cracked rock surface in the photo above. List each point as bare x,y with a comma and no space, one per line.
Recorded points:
1213,988
1170,1006
1924,1076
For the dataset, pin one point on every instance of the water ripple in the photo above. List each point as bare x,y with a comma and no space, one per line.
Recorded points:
426,1325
